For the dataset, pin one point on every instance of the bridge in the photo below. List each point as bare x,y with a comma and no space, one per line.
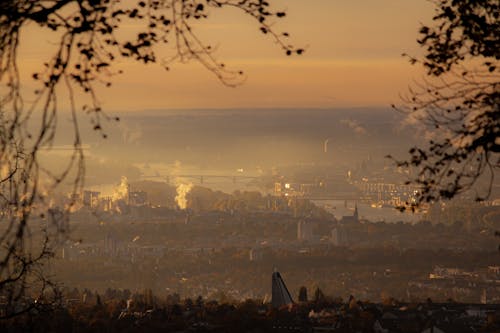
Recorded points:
332,197
202,178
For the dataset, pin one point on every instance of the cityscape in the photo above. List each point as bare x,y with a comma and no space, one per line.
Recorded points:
249,166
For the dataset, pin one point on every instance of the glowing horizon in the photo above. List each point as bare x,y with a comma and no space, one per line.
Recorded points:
353,59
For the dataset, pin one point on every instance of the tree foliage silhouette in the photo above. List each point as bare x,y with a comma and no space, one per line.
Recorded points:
88,44
458,102
303,294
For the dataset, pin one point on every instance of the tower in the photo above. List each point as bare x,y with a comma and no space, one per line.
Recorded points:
355,215
304,231
280,294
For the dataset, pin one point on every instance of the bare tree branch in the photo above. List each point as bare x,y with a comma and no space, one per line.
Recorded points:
87,48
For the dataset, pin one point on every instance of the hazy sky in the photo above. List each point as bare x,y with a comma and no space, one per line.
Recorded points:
353,58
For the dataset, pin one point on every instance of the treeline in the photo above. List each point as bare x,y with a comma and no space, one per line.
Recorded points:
121,311
203,199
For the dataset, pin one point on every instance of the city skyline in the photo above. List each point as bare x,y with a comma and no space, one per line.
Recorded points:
160,159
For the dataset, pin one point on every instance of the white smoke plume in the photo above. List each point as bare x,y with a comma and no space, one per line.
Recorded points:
182,190
121,192
176,167
354,125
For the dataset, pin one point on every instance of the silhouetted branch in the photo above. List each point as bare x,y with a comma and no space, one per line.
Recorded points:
458,103
88,44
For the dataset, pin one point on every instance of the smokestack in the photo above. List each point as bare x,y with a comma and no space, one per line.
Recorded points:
325,146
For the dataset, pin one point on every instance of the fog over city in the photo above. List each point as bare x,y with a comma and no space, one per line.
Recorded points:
249,166
314,145
271,187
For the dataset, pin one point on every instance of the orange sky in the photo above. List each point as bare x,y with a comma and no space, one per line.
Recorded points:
353,58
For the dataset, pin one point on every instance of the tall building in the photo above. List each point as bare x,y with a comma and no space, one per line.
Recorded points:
280,294
339,236
110,245
304,231
255,254
138,198
90,198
